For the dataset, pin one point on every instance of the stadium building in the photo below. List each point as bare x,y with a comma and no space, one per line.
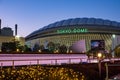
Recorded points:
81,34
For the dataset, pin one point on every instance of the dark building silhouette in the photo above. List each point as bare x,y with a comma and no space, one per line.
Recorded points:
16,29
6,31
7,36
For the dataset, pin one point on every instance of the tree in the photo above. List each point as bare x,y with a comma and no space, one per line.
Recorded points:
27,49
51,47
8,47
57,45
42,47
36,48
117,51
63,49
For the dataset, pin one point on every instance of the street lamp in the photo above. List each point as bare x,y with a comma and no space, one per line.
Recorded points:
113,44
99,55
113,35
17,38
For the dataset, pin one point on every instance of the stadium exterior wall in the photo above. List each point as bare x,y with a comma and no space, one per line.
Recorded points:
69,34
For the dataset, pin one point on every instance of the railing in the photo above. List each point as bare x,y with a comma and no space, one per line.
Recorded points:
59,61
55,61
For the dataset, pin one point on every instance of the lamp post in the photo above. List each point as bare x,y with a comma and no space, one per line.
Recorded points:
99,55
106,65
17,38
113,44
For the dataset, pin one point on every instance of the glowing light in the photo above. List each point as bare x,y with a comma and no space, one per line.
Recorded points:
17,50
17,37
113,35
99,55
75,30
39,51
70,51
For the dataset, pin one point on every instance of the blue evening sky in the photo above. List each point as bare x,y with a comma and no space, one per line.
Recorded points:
31,15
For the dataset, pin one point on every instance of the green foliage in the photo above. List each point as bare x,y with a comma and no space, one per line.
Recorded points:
42,47
62,49
117,52
8,46
40,73
26,48
51,47
36,48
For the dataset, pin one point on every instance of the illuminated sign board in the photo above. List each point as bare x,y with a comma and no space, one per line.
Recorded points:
75,30
97,44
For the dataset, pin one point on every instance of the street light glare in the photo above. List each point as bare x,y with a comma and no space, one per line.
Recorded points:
113,35
17,36
99,55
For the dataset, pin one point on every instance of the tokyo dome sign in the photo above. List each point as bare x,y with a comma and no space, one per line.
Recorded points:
74,30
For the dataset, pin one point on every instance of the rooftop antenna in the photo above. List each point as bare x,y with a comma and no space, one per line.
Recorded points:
16,29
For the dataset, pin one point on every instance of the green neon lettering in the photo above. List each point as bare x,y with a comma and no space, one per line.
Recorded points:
74,30
80,30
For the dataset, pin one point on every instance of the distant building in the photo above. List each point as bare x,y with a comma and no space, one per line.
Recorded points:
7,35
6,31
4,39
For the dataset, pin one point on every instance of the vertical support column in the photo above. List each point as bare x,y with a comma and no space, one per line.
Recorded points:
55,61
80,60
13,64
30,64
37,61
1,65
99,66
106,65
114,43
88,60
69,61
